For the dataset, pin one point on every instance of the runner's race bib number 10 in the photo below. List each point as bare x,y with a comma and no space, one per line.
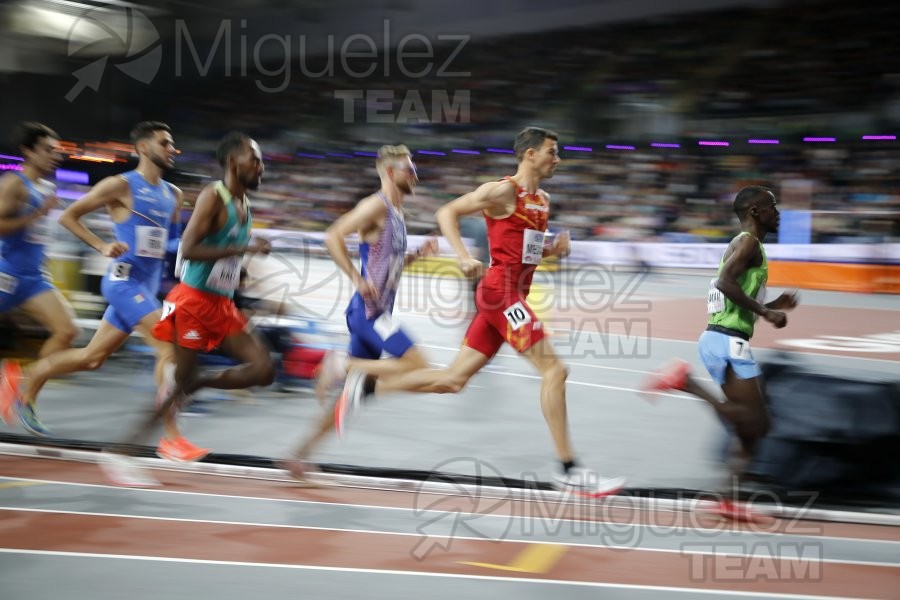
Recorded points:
517,316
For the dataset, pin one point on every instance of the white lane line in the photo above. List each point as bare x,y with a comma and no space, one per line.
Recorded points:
795,514
754,549
420,512
396,572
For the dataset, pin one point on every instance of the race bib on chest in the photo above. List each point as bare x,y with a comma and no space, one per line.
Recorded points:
119,271
40,232
150,241
532,247
8,283
225,274
715,299
739,349
517,316
179,263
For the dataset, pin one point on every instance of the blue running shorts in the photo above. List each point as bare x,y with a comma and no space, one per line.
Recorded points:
370,338
129,302
15,290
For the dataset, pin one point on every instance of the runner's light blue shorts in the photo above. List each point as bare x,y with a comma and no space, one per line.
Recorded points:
718,351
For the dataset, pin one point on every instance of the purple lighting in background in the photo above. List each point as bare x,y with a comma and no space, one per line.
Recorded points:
339,155
8,157
69,194
578,148
712,143
361,153
763,142
665,145
431,152
501,150
10,167
72,176
306,155
819,139
455,151
617,147
879,137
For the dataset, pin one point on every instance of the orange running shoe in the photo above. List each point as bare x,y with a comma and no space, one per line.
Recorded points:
180,450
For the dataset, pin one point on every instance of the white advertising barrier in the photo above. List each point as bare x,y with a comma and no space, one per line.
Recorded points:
688,256
707,256
666,255
842,253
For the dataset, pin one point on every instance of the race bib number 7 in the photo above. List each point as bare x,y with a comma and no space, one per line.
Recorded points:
739,349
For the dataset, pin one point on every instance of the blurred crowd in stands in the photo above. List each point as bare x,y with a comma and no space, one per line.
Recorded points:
641,195
763,72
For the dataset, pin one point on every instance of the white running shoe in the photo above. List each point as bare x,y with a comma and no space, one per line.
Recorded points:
587,482
349,401
121,470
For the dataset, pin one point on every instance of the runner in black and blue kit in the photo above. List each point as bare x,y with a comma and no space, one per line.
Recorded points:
25,199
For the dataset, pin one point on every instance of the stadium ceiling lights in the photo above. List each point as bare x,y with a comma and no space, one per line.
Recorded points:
58,19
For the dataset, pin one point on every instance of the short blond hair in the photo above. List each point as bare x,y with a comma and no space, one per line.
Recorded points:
391,155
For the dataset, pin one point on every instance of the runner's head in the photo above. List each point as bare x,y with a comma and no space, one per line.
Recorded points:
39,146
537,148
756,204
153,140
241,156
395,165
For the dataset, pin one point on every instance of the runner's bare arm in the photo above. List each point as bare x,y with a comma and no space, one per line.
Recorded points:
493,197
107,193
13,194
368,214
175,221
746,250
203,222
